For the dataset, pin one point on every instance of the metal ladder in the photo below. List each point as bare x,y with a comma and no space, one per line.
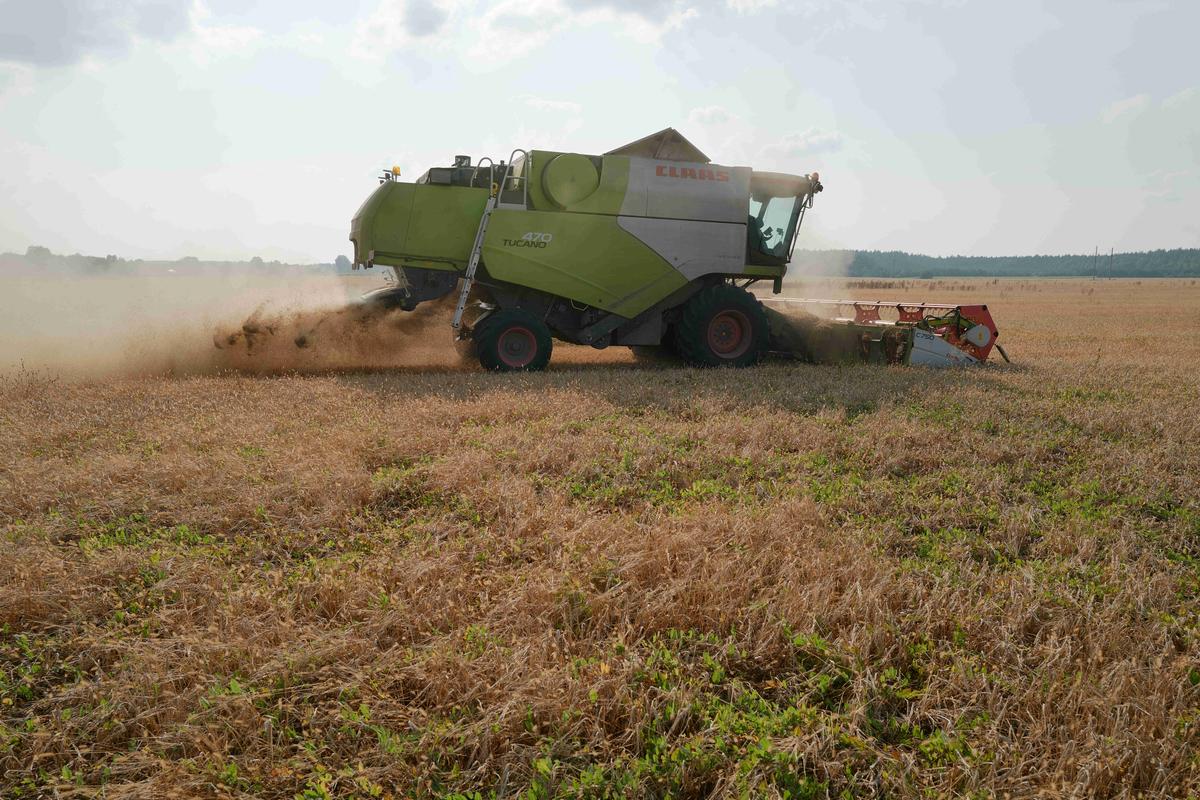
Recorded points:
496,191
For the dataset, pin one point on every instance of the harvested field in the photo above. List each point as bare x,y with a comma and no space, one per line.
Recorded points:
607,580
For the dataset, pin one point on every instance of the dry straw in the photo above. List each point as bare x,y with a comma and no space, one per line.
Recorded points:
793,581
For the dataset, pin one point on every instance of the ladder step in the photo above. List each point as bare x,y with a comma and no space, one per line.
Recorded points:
473,262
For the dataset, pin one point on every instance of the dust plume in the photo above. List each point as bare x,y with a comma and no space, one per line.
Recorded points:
76,325
353,336
814,273
812,338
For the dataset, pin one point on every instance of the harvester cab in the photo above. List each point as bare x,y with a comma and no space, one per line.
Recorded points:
777,206
650,244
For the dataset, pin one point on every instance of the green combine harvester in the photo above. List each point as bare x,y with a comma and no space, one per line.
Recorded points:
647,245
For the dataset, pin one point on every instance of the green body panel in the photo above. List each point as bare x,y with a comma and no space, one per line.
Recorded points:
587,258
608,197
417,225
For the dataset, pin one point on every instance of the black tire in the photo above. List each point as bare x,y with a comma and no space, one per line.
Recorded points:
722,326
513,341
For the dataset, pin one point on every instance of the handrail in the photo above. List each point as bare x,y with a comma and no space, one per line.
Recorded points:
491,168
495,196
523,179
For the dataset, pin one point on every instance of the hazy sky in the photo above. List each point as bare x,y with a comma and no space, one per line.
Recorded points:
228,129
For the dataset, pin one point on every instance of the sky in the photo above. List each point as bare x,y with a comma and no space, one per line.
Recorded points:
228,129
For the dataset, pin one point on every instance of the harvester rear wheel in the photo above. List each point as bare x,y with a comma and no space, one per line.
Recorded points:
722,325
513,341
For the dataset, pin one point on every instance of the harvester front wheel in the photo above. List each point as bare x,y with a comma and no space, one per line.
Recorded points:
513,341
722,325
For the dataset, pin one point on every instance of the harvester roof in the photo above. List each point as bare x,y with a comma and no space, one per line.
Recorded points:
779,184
666,145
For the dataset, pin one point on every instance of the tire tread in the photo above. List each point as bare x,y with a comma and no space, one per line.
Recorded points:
691,332
487,334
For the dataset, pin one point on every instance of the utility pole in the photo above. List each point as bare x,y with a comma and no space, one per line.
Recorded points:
1095,261
1110,262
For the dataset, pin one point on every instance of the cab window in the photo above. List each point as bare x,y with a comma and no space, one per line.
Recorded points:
770,228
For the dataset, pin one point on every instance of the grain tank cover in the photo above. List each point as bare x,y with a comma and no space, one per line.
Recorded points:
569,178
666,145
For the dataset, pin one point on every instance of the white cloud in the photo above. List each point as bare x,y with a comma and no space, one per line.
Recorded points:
394,23
50,33
1130,105
210,40
750,6
499,32
659,11
306,40
542,104
709,115
566,114
398,24
809,142
1181,99
15,79
225,38
522,26
424,17
54,33
527,24
1037,134
1171,186
667,14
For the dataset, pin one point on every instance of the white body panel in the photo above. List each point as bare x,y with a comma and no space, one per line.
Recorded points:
693,248
687,191
931,350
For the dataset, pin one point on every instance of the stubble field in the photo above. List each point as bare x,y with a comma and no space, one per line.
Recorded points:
611,580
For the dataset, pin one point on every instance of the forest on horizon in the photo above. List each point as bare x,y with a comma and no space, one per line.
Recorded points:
1176,263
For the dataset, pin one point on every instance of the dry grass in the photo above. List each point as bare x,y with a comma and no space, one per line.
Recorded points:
794,581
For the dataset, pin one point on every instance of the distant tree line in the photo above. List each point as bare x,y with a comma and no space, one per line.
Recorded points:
40,260
1179,263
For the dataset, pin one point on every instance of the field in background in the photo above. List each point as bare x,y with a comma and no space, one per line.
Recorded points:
792,581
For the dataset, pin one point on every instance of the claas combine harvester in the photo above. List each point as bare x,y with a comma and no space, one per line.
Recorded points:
648,245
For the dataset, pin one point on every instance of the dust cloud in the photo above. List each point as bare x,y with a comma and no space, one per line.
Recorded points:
812,338
808,331
811,273
352,336
82,319
79,326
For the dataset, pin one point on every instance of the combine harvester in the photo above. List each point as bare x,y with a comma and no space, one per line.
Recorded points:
647,245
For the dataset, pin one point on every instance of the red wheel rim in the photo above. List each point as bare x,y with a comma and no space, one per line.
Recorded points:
517,347
729,334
